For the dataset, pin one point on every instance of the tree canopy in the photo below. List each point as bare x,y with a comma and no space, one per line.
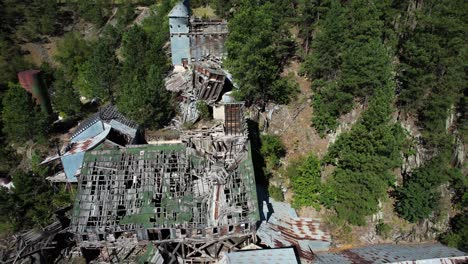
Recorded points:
22,118
257,47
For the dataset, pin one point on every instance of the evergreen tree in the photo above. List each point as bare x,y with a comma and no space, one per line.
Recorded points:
309,13
255,47
348,60
39,18
72,51
31,202
458,234
95,12
364,158
142,95
65,98
22,118
98,76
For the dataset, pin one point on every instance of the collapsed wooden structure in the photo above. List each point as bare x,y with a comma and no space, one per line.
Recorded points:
39,243
205,81
194,199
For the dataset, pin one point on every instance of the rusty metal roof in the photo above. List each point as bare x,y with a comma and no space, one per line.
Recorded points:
424,253
267,256
284,228
26,79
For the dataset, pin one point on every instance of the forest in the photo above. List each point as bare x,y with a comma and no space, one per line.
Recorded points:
402,62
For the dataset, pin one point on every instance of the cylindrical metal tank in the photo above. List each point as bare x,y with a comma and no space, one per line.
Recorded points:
32,81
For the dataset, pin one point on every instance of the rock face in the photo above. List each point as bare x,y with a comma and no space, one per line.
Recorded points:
419,154
345,123
458,152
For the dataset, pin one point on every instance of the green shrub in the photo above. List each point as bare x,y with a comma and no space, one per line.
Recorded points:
272,150
383,229
276,193
204,110
305,182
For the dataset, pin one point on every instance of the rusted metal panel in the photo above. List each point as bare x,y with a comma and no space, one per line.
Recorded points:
402,254
284,228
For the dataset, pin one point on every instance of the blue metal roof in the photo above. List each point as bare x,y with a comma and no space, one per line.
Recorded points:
72,160
180,10
71,163
92,131
267,256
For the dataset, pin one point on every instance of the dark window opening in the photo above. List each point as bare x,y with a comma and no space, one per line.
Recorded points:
231,228
215,230
165,234
117,234
152,234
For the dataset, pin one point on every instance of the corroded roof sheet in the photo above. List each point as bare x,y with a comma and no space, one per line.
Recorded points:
284,228
432,253
267,256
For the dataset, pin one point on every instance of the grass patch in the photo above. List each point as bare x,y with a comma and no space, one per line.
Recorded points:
204,12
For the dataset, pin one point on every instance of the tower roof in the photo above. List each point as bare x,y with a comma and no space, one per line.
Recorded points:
181,9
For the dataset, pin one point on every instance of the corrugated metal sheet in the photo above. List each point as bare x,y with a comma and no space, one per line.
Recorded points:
72,159
92,127
208,44
284,228
26,79
122,128
267,256
93,130
425,253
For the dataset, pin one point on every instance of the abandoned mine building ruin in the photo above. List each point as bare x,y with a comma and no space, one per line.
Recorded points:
188,196
189,200
193,198
194,38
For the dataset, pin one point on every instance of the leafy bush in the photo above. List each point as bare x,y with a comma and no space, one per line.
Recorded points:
204,110
272,150
382,229
276,193
458,234
305,182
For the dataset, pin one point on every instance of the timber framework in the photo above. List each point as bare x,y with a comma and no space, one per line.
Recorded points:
193,199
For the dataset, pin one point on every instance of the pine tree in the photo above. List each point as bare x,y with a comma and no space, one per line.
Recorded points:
364,158
255,48
22,118
65,98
